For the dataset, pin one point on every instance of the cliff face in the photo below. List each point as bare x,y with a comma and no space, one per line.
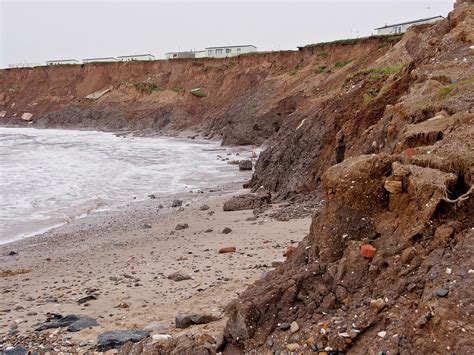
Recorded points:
386,264
242,100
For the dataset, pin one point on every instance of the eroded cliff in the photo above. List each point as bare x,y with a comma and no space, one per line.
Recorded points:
386,266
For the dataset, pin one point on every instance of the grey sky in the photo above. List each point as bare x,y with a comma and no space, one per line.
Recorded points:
36,31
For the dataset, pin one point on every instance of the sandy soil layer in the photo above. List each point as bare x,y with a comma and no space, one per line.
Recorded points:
125,257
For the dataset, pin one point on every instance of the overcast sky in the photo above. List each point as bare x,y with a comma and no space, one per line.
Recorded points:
36,31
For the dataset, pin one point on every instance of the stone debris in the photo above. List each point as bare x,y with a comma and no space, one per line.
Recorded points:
73,322
179,276
185,321
114,339
245,165
227,250
181,226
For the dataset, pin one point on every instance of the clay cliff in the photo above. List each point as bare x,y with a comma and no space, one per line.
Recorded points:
384,125
386,266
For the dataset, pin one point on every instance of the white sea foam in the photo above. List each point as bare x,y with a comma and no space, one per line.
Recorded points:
49,177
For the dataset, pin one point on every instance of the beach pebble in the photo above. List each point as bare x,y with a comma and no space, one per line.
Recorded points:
177,203
284,326
204,207
181,226
226,230
294,327
179,276
185,321
442,292
227,250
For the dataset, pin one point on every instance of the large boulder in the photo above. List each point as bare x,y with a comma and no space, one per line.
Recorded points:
246,202
245,165
73,322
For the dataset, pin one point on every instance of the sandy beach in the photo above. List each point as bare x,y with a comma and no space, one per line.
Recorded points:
124,259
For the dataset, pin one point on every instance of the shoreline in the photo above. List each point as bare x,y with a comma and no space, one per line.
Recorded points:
30,228
124,257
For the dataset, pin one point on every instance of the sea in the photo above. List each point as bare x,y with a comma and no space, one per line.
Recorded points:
49,177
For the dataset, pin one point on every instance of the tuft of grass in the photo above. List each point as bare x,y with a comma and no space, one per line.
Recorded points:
9,273
322,69
342,64
376,74
382,45
324,54
147,88
177,89
198,93
447,90
295,70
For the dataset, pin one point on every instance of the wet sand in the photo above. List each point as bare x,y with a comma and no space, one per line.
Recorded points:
125,257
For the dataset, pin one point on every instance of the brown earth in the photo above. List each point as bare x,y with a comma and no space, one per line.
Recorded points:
404,186
383,124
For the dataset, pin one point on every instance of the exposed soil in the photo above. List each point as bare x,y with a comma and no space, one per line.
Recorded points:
385,126
403,187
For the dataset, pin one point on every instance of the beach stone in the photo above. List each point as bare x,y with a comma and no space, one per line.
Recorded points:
245,165
114,339
227,250
17,350
367,251
245,202
204,207
156,327
177,203
182,226
161,337
284,326
86,299
179,276
12,253
226,230
294,327
27,116
152,196
442,292
293,346
73,323
147,226
185,321
83,323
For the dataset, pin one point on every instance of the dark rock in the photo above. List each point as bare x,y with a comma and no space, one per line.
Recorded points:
245,202
442,292
84,322
185,321
114,339
226,230
73,322
152,196
12,253
86,299
177,203
425,318
147,226
204,207
181,226
17,350
209,230
284,326
179,276
245,165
